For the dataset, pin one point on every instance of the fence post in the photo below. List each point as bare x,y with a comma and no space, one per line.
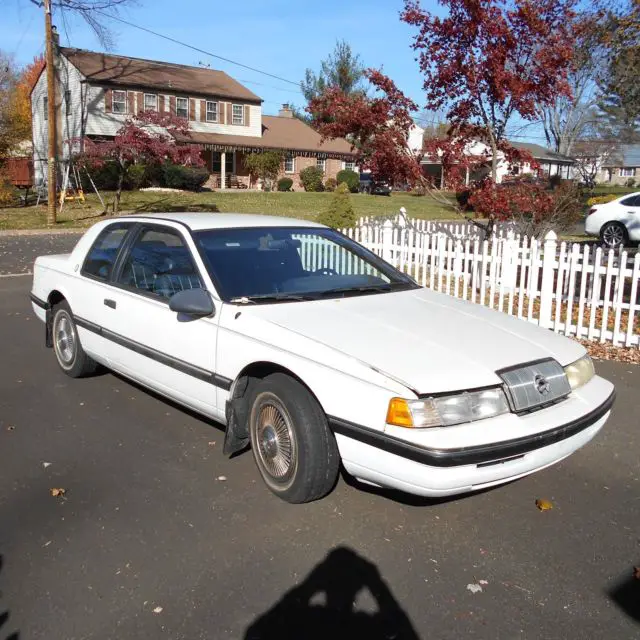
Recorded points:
387,241
546,288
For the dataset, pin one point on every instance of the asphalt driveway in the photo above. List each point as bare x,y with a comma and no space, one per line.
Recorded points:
158,535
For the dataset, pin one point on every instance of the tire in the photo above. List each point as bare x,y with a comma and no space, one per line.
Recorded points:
292,445
70,355
614,235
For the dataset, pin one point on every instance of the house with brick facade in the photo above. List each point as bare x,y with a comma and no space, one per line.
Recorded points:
97,92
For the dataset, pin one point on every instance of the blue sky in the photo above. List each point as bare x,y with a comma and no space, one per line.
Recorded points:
278,36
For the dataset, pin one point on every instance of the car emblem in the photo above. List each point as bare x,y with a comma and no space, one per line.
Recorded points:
542,384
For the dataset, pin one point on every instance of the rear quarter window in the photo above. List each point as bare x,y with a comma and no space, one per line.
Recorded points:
104,251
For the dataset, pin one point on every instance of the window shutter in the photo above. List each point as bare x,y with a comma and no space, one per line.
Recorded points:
131,99
221,114
203,110
192,109
140,100
108,100
229,113
172,105
246,115
161,104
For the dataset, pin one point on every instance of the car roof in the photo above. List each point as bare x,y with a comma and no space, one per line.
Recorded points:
197,221
626,195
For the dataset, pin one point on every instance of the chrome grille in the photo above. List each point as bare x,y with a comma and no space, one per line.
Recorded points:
535,384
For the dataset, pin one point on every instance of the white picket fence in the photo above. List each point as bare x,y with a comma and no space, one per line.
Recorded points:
576,290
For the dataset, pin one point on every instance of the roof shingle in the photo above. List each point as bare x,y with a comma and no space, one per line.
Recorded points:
277,133
104,68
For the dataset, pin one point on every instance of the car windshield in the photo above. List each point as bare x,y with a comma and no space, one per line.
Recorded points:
278,264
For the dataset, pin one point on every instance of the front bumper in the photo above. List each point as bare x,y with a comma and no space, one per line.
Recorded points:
386,460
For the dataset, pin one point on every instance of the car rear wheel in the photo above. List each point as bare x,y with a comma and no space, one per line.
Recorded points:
66,345
292,445
614,235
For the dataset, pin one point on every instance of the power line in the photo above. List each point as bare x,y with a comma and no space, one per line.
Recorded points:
189,46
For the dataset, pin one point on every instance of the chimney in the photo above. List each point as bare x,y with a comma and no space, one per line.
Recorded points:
286,111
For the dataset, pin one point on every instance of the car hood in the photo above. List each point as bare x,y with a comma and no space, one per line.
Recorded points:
429,342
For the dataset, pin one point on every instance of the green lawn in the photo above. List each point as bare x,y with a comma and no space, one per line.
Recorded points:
296,204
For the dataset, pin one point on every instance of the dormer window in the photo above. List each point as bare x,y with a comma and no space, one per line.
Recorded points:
212,111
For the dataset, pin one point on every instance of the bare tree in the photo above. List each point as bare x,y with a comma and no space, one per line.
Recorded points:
94,12
568,117
590,154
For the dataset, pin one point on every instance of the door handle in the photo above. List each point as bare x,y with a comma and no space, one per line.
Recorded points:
110,303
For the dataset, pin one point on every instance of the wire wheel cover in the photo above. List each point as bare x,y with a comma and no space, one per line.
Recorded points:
65,339
274,440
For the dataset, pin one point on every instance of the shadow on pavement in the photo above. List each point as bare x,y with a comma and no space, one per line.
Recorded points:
323,606
626,594
4,618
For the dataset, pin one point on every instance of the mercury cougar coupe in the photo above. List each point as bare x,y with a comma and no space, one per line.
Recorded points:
314,352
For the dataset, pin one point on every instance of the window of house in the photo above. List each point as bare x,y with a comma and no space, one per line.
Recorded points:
182,107
627,172
216,164
212,111
351,166
119,102
237,114
45,107
67,101
321,163
290,164
150,102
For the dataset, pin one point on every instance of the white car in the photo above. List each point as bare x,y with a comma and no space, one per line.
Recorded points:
315,352
616,223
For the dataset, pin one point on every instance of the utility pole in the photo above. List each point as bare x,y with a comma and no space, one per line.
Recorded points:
51,117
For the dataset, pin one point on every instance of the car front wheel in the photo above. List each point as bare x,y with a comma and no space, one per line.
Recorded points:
292,445
614,235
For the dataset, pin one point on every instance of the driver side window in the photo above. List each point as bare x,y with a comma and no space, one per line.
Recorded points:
160,264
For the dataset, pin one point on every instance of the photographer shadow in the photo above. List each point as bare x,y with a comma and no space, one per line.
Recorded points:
323,606
4,618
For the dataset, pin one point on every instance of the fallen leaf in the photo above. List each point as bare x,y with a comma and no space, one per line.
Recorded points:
483,582
474,588
636,573
58,492
11,427
157,610
46,464
212,443
222,478
543,505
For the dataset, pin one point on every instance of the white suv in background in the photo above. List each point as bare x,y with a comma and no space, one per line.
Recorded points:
617,223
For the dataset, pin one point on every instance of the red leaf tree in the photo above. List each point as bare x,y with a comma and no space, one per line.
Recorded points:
490,60
147,138
378,127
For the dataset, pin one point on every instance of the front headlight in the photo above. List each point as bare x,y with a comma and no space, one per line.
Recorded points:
448,410
580,372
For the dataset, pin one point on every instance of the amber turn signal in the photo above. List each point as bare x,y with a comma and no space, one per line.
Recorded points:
399,414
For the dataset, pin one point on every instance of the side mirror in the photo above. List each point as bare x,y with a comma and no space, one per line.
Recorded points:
196,303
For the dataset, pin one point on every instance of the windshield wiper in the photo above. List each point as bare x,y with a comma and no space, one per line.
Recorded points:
372,288
273,297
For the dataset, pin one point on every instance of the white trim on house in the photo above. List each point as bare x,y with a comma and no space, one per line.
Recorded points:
321,163
115,102
151,95
290,160
351,166
213,111
626,172
237,119
184,109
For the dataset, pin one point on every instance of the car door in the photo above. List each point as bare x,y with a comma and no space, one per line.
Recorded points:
630,216
173,355
94,286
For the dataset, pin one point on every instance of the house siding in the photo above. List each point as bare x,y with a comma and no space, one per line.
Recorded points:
611,175
332,167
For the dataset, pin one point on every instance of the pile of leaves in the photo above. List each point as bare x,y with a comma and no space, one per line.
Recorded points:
607,351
